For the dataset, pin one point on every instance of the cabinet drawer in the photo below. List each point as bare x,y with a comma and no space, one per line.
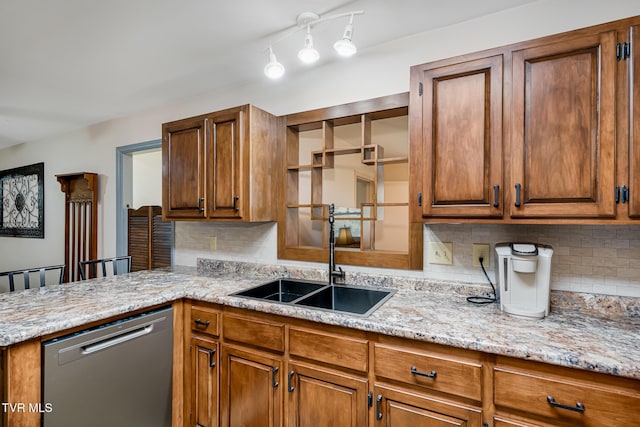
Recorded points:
338,350
454,376
564,400
205,320
256,332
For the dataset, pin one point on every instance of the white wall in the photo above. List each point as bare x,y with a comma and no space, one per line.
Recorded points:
372,73
147,178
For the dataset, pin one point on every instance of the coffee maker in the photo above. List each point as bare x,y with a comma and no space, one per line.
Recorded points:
524,275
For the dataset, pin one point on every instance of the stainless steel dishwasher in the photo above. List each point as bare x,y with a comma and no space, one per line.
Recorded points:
116,374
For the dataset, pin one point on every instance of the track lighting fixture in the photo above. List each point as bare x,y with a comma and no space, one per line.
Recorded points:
345,46
274,69
309,54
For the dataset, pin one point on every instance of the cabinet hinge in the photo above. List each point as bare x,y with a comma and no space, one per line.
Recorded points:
623,51
420,89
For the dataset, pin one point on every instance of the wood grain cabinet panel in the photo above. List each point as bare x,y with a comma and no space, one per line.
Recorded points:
255,332
460,118
634,128
322,397
220,166
563,128
401,408
251,391
183,168
564,401
205,320
339,350
204,386
429,370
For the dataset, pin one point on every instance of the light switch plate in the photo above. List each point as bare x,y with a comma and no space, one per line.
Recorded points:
440,253
213,243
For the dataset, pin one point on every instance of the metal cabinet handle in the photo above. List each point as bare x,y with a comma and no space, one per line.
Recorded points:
199,322
518,188
212,358
415,371
274,372
379,407
235,203
290,387
579,407
201,204
496,191
625,194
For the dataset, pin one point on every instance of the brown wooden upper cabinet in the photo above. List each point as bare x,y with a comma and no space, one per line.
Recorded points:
458,120
219,166
563,128
539,131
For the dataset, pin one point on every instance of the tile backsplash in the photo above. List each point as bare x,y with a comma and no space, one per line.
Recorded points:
602,259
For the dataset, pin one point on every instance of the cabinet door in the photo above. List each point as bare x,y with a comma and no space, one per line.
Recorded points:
397,408
224,159
563,129
250,389
462,139
183,168
320,397
204,383
634,148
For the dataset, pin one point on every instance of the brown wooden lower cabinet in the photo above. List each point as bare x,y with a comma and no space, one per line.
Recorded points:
397,407
204,386
250,388
256,369
322,397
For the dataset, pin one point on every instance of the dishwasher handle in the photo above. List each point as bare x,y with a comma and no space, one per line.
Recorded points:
77,347
110,342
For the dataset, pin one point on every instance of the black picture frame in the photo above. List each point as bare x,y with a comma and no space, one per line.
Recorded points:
22,201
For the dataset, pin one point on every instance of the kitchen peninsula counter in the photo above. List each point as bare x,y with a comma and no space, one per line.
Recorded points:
591,332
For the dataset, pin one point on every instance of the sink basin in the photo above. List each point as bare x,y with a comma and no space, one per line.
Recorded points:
282,290
356,300
348,299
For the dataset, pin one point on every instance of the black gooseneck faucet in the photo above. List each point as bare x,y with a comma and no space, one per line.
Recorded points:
333,273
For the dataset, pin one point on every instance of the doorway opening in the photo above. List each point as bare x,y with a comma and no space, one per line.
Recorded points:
138,183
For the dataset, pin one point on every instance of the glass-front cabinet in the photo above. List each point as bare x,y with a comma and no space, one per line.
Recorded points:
356,157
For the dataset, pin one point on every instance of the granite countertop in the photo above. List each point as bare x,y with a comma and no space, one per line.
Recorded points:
591,332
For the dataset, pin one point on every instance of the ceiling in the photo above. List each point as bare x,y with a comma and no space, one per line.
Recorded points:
66,64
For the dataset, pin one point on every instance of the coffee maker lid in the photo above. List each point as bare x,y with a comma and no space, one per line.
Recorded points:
524,249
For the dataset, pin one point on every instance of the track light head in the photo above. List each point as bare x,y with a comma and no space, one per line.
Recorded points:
308,54
273,69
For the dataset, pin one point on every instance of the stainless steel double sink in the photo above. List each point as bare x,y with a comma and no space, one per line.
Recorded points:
357,300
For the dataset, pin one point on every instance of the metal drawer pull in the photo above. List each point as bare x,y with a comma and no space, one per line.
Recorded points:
415,371
496,192
290,381
379,407
578,408
199,322
212,358
274,372
518,188
200,202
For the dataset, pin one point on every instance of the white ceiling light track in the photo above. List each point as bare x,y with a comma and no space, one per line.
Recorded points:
309,54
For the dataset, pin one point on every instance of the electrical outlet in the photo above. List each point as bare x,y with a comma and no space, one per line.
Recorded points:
213,243
440,253
481,250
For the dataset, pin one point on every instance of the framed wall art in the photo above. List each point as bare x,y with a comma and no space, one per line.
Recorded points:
22,197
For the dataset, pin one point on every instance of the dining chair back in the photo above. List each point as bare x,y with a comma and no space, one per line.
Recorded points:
39,273
108,267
